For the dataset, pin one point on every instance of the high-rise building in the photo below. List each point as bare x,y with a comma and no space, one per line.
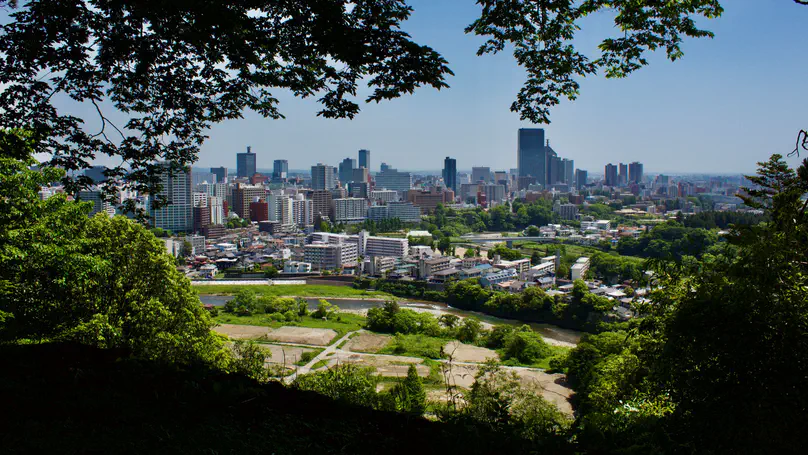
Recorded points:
569,171
321,204
450,173
322,177
580,178
494,193
99,204
555,171
245,163
220,173
361,175
610,175
96,173
384,167
280,169
302,212
177,213
243,195
531,154
391,179
635,172
216,210
364,159
384,195
480,174
346,168
622,174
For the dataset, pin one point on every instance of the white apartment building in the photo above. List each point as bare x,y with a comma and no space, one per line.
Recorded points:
370,246
579,269
351,209
324,256
384,195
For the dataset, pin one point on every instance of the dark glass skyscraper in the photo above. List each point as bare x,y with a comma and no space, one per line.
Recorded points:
450,173
364,159
245,163
635,172
610,175
346,168
530,154
280,169
220,173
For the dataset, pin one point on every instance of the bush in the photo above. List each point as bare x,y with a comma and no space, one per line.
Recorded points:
307,357
526,346
277,317
290,316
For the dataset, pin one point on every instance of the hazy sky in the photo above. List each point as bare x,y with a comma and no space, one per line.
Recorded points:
730,102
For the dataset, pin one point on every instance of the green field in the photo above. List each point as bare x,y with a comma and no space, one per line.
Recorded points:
291,290
342,323
415,345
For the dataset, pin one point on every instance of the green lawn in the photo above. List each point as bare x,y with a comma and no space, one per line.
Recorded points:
319,364
291,290
416,345
342,323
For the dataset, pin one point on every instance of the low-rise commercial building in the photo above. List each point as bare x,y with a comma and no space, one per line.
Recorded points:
579,269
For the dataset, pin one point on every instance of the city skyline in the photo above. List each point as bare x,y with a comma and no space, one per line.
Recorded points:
692,111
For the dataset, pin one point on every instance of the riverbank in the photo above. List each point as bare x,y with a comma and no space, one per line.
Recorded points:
293,290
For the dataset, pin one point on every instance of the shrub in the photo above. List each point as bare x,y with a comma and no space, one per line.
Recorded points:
290,316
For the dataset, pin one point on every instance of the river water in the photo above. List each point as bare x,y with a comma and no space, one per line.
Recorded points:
555,335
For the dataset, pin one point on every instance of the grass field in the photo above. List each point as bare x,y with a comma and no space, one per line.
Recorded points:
342,323
416,345
292,290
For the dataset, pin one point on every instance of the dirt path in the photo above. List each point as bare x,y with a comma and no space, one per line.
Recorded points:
468,353
367,342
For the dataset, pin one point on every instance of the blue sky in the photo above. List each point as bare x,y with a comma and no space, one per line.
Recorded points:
730,102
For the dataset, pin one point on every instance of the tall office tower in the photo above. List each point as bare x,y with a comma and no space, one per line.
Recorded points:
610,175
384,167
280,169
501,177
177,214
243,195
220,173
96,173
569,171
580,178
95,196
480,174
531,154
322,177
554,170
321,204
346,168
361,175
391,179
622,175
245,163
635,172
364,159
450,173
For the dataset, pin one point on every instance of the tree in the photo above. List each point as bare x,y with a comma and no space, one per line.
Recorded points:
324,310
410,395
271,272
102,281
176,69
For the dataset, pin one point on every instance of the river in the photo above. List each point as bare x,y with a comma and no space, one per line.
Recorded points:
553,334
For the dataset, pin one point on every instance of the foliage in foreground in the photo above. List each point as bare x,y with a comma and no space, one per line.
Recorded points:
102,281
717,363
